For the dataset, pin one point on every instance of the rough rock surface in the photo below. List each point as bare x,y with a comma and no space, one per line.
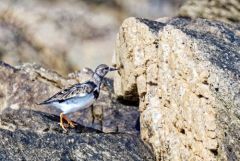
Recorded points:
26,85
32,135
221,10
186,76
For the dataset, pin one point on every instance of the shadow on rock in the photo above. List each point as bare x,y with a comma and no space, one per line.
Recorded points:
34,135
37,121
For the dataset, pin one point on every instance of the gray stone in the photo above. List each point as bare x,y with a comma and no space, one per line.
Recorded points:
32,135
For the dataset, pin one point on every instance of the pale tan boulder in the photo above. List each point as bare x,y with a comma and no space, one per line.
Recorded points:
185,75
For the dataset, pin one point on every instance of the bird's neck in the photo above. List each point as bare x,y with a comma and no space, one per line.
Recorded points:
97,79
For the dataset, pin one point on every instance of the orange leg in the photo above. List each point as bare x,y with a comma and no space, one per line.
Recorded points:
69,121
61,122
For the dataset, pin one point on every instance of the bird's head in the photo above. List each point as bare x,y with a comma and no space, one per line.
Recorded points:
103,69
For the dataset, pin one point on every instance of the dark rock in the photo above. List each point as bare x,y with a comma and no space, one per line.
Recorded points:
33,135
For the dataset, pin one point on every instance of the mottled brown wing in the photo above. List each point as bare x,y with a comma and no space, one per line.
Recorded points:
79,90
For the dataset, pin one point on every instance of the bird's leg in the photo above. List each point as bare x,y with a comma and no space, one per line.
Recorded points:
69,121
61,122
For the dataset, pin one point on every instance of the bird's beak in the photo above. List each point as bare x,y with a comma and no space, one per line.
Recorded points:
113,69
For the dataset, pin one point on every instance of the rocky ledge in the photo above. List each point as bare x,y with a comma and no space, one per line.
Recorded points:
107,131
186,76
32,135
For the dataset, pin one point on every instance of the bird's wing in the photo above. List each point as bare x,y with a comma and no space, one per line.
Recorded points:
79,90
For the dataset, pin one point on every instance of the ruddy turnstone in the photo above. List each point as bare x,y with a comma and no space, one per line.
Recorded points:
79,96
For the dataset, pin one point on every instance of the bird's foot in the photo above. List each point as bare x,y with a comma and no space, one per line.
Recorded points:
62,118
71,123
63,126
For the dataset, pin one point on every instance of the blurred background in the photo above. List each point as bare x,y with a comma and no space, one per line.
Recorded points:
68,35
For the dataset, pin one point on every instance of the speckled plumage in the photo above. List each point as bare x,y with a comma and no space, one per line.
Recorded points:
78,96
77,90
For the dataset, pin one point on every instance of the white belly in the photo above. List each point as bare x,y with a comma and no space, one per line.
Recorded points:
75,104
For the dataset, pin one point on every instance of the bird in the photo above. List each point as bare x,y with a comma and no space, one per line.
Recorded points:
79,96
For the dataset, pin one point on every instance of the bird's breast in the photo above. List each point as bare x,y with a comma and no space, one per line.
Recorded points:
76,103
